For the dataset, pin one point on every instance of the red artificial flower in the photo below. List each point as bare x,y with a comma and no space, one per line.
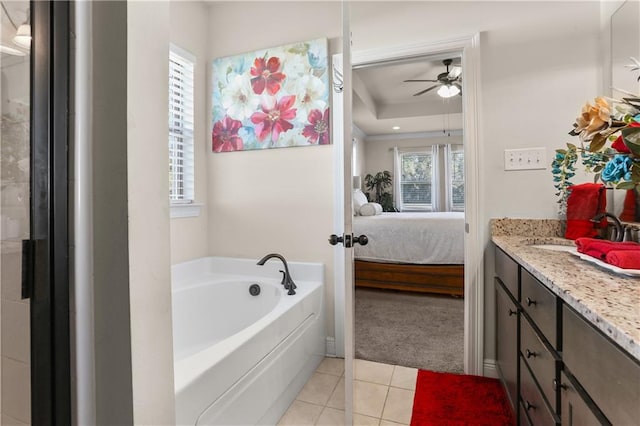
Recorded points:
317,131
273,117
225,135
619,144
266,74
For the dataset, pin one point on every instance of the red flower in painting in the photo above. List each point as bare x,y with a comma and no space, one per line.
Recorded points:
317,131
266,74
225,135
619,144
273,117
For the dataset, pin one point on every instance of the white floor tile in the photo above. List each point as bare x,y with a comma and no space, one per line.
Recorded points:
399,405
373,372
333,366
337,397
331,417
318,389
301,414
404,377
368,398
360,420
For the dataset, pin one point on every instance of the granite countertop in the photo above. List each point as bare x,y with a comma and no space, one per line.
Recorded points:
611,302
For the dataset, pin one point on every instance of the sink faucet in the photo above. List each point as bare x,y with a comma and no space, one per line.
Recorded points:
619,230
287,281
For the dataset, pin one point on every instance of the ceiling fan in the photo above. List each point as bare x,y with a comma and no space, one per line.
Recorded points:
449,82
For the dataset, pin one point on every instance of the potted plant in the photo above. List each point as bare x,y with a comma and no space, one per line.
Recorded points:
378,185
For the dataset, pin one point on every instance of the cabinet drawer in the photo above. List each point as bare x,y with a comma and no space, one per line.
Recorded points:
540,304
541,362
575,410
534,405
609,376
507,343
507,271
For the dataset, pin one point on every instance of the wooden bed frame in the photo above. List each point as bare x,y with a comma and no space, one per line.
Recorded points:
442,279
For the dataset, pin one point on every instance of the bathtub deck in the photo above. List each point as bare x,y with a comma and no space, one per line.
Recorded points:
383,395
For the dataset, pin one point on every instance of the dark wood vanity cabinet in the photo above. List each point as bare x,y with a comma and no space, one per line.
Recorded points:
555,366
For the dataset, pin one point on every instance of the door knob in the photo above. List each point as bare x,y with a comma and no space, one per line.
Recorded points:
363,240
334,239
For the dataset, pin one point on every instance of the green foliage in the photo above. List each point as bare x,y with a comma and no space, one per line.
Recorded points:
377,185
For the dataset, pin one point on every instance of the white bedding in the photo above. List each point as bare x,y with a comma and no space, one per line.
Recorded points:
425,238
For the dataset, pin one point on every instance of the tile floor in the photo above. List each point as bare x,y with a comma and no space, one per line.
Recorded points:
383,395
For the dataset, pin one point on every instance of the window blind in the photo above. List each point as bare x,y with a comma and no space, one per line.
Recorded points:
181,100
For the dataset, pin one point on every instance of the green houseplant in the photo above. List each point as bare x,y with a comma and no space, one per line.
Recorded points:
378,186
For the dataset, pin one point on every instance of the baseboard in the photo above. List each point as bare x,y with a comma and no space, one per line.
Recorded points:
330,346
489,368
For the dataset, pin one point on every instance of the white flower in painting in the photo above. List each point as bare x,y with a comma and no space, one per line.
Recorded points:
238,98
310,94
291,138
295,65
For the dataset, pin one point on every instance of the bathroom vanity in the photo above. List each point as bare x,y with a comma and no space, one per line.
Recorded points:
568,335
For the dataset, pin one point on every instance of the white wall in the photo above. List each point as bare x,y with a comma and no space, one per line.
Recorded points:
149,240
188,30
276,200
539,63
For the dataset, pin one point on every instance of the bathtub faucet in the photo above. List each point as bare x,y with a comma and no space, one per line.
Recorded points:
287,281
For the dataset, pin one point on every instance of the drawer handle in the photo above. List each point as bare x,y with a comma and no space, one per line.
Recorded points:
512,312
529,406
531,302
530,354
557,385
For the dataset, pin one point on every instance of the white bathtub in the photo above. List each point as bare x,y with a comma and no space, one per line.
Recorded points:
242,359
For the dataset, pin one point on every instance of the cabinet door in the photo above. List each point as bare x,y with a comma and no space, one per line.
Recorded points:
507,342
575,411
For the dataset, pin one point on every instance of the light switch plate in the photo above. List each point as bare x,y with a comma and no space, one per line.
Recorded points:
525,159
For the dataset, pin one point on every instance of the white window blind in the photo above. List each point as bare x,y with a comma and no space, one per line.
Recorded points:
181,152
455,178
416,180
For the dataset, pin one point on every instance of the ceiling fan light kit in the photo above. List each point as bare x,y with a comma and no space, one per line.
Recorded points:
449,83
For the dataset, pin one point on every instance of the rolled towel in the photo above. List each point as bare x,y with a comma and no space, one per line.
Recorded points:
599,248
370,209
625,259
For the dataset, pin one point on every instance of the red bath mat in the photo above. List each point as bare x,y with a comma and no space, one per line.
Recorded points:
445,399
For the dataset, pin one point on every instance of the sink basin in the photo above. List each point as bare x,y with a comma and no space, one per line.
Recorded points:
555,247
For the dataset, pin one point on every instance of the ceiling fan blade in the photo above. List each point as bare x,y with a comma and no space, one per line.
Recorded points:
426,90
432,81
458,85
455,73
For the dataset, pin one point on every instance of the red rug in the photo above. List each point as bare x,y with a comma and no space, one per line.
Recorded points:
446,399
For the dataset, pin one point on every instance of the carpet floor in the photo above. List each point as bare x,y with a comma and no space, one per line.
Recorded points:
444,399
409,329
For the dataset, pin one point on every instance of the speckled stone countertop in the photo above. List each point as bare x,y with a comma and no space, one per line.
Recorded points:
611,302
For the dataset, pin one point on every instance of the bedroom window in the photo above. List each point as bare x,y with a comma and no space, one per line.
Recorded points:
455,177
181,105
416,180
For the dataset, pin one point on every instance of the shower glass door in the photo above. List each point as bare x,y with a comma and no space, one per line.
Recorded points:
15,93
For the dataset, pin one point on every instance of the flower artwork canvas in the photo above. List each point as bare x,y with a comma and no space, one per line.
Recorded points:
272,98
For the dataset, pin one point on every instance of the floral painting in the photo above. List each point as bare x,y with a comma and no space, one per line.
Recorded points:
272,98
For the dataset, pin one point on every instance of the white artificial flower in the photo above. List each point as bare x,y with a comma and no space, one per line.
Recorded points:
238,98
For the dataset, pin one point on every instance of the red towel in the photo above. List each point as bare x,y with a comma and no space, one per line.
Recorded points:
585,201
599,248
629,207
625,259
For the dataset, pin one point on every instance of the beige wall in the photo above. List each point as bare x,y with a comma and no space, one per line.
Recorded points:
539,63
277,200
149,240
188,30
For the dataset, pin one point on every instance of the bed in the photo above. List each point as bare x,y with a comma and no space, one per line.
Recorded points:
421,252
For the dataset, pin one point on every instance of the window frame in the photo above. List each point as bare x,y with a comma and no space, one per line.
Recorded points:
416,207
450,151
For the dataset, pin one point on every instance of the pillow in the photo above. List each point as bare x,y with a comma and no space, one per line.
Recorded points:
359,199
370,209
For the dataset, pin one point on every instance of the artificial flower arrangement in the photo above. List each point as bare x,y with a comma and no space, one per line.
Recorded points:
609,133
